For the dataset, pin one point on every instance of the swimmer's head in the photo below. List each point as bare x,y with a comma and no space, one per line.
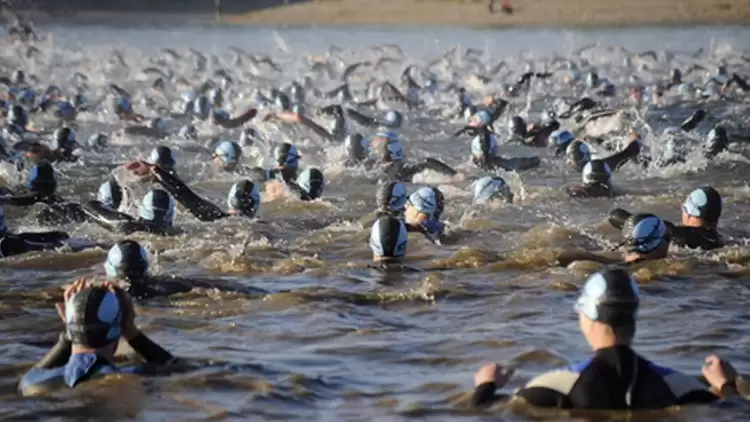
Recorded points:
98,141
517,126
298,109
157,207
286,155
391,197
676,76
127,260
592,79
392,120
480,119
244,198
110,194
577,155
469,112
646,236
608,307
558,140
297,92
421,205
227,155
388,239
93,319
702,208
42,180
18,77
282,101
221,116
65,139
596,172
158,125
489,188
312,182
718,137
162,157
356,147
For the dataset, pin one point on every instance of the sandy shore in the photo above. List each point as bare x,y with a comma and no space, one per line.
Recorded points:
527,12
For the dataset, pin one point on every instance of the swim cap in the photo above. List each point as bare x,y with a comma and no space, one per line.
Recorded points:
484,146
244,197
424,200
26,97
3,227
480,118
18,77
110,194
704,203
517,126
65,137
97,140
560,139
80,100
393,119
299,109
469,112
126,260
312,182
676,75
489,187
228,152
388,237
158,125
391,196
157,206
93,317
42,179
596,171
17,116
439,202
592,79
577,154
202,107
187,132
163,157
221,115
610,297
282,101
286,155
644,233
356,146
121,104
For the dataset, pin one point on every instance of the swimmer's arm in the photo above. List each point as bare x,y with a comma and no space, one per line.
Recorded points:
57,356
147,349
361,118
566,258
199,207
297,190
615,161
20,201
319,130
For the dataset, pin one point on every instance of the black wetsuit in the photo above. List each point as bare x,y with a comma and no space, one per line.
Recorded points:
56,212
706,238
615,378
118,222
593,190
199,207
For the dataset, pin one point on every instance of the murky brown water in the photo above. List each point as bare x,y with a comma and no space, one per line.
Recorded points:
334,341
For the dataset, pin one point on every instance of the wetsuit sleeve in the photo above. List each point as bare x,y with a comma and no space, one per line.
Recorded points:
617,217
693,237
57,356
150,351
319,130
484,394
616,160
550,390
200,208
297,190
361,118
20,201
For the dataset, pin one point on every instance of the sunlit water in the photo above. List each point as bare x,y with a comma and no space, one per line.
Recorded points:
332,340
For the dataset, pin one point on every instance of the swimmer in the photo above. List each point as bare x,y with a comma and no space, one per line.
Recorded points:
223,119
155,215
484,147
602,87
95,318
226,156
41,187
19,243
243,199
422,213
391,199
578,154
700,217
16,123
596,177
489,189
388,241
615,377
122,107
576,109
161,156
357,149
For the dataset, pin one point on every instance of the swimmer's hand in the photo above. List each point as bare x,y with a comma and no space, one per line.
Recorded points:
69,292
493,372
139,168
129,330
718,372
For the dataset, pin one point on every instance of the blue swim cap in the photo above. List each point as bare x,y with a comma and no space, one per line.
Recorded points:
560,138
610,296
481,117
424,201
388,237
393,119
646,233
577,153
110,194
42,179
312,182
489,187
221,115
478,142
392,196
157,206
93,317
596,171
704,203
122,105
244,197
228,152
162,156
126,260
65,137
286,155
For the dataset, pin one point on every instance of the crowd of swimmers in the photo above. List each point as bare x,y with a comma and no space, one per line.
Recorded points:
97,316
